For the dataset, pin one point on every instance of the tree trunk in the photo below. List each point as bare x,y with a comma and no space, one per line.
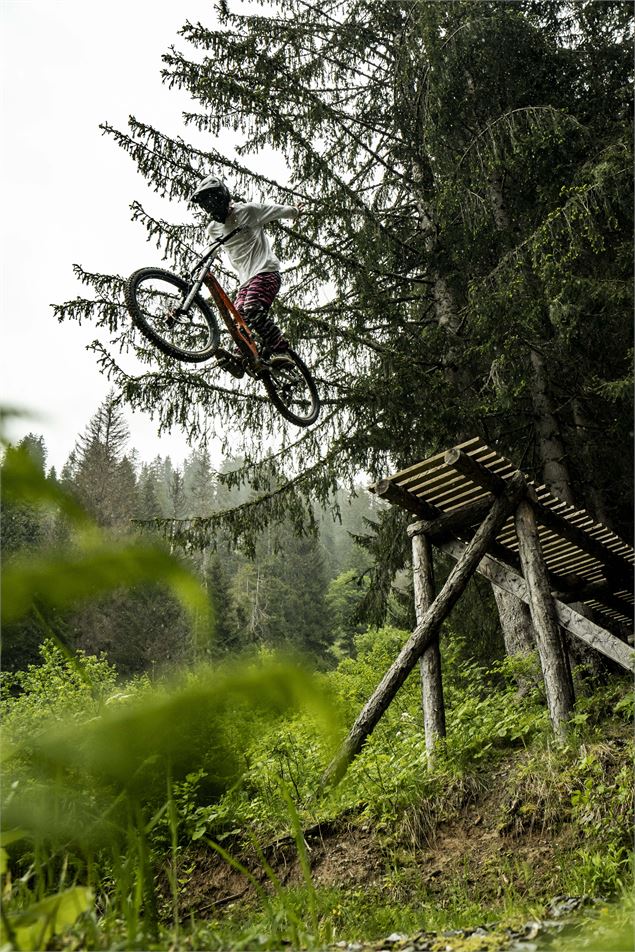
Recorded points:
553,657
430,661
518,633
555,472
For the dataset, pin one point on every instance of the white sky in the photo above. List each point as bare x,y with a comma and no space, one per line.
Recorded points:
68,65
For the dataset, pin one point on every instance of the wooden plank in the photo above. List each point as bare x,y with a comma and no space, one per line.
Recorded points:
600,592
473,444
571,564
492,460
459,496
412,483
442,471
476,497
449,524
559,548
582,628
475,471
617,563
445,478
582,519
445,482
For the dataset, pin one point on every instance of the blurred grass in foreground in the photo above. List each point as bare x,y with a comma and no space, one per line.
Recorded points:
85,796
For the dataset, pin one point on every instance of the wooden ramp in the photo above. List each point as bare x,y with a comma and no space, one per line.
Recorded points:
587,563
573,572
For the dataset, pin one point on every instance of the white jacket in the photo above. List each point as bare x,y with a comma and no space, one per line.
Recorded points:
249,251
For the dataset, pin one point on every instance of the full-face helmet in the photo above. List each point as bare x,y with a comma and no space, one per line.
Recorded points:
213,196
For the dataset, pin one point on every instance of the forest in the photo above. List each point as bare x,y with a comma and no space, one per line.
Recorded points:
186,646
294,593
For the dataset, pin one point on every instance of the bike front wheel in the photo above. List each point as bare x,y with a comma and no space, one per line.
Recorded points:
291,388
154,300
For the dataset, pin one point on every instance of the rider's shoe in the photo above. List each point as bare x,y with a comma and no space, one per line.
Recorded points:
231,362
276,349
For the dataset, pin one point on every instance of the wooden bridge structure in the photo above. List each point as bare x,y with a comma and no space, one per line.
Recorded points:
573,572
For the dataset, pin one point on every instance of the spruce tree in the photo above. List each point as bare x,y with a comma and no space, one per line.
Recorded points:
98,471
465,266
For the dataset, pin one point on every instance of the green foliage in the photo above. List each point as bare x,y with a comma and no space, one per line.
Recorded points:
98,567
343,599
92,788
33,928
232,757
61,687
390,775
24,483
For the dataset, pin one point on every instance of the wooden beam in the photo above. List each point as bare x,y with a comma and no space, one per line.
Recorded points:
398,496
460,523
572,589
449,524
587,631
565,528
432,702
604,597
425,632
474,471
474,444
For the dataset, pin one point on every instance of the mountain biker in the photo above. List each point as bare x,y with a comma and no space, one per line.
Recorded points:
250,254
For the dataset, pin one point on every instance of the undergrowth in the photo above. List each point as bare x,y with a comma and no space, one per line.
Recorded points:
111,789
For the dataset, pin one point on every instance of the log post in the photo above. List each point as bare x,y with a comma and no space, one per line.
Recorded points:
430,661
553,658
425,632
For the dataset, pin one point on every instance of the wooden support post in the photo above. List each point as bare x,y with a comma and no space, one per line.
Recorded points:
425,632
553,658
430,661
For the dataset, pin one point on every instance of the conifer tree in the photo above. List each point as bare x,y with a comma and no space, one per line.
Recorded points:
199,483
465,265
100,474
148,492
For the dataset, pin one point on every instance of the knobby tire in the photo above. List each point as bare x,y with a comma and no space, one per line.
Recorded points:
132,289
281,400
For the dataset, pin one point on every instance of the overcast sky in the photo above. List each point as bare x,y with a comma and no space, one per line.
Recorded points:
68,65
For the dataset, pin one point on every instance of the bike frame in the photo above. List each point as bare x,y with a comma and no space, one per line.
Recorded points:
236,324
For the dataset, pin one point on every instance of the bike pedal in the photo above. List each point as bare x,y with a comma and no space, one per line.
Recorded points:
230,363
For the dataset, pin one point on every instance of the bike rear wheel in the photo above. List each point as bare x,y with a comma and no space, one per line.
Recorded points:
153,298
291,388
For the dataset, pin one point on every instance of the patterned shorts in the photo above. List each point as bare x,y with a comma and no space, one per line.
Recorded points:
258,293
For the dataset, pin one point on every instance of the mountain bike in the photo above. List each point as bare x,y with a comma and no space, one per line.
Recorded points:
170,312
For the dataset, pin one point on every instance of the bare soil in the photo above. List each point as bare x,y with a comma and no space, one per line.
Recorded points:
480,845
